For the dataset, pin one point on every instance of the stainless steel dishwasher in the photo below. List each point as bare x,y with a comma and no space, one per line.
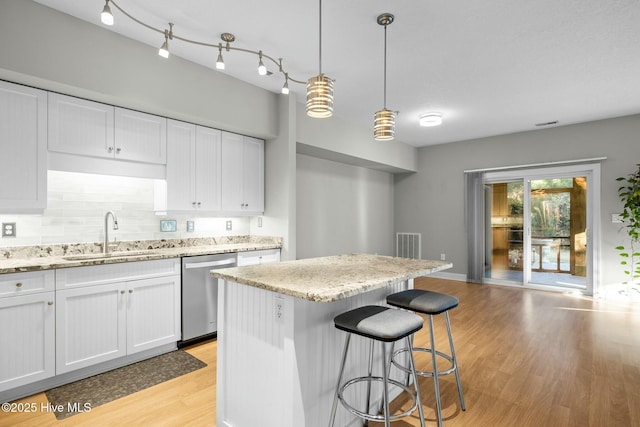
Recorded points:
200,296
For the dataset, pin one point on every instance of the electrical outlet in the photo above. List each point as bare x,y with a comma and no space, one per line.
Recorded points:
8,229
259,221
278,309
190,226
229,225
443,257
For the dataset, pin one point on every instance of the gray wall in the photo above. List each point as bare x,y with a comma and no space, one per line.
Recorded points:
432,200
343,209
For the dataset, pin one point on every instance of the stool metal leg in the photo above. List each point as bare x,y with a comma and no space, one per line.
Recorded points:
412,364
335,398
366,423
455,361
435,372
385,386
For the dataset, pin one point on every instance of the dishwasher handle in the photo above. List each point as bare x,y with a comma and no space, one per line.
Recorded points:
210,263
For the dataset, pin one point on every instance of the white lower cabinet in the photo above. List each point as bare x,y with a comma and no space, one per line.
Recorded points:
113,316
27,339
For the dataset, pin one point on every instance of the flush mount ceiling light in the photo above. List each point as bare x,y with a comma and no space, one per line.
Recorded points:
431,119
384,123
107,18
320,87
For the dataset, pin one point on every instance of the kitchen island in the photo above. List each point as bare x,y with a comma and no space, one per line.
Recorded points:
278,350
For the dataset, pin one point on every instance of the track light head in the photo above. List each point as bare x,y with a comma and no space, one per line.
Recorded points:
220,61
106,17
262,70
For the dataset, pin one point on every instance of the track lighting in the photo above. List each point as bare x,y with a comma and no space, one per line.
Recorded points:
227,38
220,61
384,123
164,49
262,70
106,17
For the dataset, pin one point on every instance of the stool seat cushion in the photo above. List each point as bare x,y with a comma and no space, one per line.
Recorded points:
421,301
379,323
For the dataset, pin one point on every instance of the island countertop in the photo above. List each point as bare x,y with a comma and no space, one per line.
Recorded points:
332,278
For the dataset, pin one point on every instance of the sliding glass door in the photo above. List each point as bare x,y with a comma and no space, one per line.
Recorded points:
537,225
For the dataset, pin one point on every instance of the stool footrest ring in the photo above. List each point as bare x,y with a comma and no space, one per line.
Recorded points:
423,373
372,417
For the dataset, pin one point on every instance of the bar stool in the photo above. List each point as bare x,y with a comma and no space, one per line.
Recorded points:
430,303
382,324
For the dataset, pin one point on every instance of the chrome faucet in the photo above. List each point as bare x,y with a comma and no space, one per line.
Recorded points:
105,245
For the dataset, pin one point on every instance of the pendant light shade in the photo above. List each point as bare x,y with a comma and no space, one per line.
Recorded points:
320,97
384,125
320,87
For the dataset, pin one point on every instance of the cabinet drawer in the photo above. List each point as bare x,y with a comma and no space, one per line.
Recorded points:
15,284
264,256
67,278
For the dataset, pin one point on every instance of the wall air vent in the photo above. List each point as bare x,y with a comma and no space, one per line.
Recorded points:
408,245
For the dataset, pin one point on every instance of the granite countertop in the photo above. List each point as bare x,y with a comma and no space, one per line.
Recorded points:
331,278
34,258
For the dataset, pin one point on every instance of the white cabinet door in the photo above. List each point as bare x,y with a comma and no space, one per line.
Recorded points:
23,148
207,166
140,137
193,167
231,172
82,127
181,146
253,175
242,174
90,326
153,313
27,341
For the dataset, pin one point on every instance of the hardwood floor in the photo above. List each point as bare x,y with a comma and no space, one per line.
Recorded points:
527,358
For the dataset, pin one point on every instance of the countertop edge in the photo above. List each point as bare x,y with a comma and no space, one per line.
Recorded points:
331,294
58,262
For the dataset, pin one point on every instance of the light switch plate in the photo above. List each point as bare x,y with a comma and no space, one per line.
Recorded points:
616,219
8,229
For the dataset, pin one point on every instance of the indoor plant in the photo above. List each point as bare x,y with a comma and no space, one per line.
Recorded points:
629,194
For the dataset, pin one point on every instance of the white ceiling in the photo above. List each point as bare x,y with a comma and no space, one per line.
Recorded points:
491,67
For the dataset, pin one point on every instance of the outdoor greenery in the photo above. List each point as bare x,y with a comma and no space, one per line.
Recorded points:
629,194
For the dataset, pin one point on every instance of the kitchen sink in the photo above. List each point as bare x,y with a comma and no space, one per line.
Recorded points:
121,254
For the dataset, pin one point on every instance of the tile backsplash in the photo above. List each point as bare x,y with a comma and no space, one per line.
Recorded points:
77,204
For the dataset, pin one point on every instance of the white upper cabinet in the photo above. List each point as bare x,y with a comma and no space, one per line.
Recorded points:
242,174
140,137
23,148
78,126
193,167
87,128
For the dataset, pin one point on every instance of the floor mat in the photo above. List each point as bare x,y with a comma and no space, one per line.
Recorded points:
83,395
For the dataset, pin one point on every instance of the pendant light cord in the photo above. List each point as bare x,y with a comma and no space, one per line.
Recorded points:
320,37
385,67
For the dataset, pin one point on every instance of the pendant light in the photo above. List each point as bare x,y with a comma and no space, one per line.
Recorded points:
320,87
384,124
